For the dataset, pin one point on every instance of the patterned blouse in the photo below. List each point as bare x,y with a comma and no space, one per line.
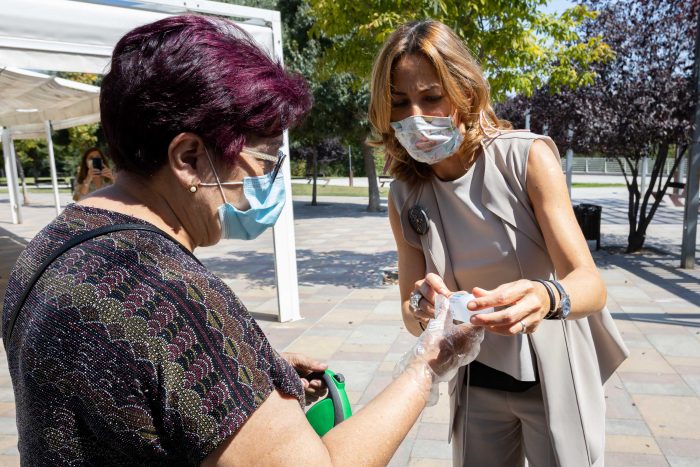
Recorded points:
129,352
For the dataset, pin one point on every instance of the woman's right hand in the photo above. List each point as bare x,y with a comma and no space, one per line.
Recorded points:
429,288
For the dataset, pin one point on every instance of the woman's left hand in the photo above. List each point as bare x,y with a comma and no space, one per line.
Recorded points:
304,366
527,304
107,173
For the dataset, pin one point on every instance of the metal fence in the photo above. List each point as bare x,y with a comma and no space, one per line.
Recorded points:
602,165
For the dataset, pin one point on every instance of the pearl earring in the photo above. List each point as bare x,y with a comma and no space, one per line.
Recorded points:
193,189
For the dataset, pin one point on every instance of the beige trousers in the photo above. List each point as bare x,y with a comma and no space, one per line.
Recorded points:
502,429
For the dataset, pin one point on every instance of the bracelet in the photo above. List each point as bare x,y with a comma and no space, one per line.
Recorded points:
552,301
564,300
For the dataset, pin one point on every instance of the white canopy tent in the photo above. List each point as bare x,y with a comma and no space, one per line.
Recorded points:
79,35
31,105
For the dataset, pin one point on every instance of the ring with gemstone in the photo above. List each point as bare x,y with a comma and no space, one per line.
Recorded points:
414,301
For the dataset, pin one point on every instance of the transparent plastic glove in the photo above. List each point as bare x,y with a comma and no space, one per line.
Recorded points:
442,348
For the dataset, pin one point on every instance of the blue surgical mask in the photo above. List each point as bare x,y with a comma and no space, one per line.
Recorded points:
266,199
428,139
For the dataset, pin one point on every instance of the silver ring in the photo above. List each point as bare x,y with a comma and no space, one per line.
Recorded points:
414,301
524,329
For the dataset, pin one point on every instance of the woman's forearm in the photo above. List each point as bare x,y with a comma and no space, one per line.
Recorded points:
411,323
586,291
371,436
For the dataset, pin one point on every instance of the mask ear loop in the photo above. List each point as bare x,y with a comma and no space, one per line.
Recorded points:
218,183
490,127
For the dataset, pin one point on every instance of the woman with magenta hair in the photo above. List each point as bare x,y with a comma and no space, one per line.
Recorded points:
123,348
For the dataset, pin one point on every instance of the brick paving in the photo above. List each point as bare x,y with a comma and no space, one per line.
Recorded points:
352,321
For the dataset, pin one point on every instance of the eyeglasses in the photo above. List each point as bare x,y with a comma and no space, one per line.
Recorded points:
272,166
274,162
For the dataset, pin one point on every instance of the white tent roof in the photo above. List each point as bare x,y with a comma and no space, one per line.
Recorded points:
64,35
29,99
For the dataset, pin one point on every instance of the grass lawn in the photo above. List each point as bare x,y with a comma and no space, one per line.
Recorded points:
38,190
333,190
330,190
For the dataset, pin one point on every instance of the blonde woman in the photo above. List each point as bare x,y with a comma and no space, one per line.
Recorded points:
481,208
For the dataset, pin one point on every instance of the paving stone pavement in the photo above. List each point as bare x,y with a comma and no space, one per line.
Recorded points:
352,321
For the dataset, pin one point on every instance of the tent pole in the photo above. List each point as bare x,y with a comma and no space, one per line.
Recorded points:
283,231
15,176
6,142
52,164
12,172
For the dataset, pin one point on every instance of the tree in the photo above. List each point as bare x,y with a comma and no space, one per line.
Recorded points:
340,105
640,106
327,151
519,47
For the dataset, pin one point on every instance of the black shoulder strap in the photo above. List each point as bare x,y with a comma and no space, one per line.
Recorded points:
67,246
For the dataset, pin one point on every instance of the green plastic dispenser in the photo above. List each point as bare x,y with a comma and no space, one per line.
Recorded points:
334,408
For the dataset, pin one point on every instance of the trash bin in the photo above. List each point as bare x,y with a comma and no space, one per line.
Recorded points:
588,217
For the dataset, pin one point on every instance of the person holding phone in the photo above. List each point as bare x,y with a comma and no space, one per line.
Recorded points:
93,173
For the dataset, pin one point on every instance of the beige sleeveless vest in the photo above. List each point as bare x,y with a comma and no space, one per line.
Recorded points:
574,357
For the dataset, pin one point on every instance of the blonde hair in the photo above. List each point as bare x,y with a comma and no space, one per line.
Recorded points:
460,76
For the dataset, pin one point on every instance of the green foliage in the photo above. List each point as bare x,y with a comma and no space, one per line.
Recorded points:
298,168
33,155
520,47
267,4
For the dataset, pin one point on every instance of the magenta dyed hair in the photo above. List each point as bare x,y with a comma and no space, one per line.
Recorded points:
193,74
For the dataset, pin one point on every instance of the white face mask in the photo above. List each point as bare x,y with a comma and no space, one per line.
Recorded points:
428,139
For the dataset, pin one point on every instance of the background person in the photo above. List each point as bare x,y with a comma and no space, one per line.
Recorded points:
93,173
477,207
127,350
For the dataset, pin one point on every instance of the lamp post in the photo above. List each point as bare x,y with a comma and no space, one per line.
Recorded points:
690,217
350,164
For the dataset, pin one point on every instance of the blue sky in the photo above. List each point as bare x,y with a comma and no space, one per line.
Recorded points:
558,6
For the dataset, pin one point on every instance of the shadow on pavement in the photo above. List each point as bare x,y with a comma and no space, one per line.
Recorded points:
679,319
661,268
343,268
615,212
10,247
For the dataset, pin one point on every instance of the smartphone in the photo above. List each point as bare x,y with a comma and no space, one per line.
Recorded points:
97,163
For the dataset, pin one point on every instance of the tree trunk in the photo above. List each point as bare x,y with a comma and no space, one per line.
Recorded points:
633,198
371,172
645,213
635,241
315,172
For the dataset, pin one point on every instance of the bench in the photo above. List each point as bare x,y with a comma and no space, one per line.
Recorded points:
63,182
385,179
321,176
